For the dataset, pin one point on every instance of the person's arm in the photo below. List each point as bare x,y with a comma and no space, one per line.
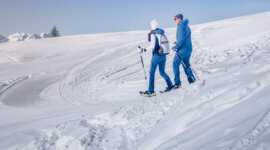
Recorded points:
180,37
153,42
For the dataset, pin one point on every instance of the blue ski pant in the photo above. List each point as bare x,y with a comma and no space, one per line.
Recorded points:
159,61
176,63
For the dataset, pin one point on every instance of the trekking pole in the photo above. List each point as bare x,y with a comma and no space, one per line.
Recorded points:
186,66
143,66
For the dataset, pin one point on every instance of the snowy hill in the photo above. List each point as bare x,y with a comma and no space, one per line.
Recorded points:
22,37
81,92
26,36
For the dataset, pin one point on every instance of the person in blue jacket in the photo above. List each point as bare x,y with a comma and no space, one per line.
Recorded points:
183,50
158,60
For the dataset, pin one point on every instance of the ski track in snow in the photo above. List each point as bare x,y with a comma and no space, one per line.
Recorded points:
254,135
93,80
122,128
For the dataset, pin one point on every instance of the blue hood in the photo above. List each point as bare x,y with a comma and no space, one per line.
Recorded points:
159,31
156,31
184,22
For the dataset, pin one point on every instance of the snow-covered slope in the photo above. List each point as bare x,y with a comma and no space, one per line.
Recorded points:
81,92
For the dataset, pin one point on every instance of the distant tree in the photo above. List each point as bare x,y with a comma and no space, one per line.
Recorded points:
55,32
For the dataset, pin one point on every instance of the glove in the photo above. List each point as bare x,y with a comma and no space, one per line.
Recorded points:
173,49
174,44
141,50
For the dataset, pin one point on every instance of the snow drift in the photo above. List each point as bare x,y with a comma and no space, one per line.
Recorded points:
81,92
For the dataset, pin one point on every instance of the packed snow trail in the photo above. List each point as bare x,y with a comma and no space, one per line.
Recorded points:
81,92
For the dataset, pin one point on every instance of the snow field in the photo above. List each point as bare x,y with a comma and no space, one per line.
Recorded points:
83,94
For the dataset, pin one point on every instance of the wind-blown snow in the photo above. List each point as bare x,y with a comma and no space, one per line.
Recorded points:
81,92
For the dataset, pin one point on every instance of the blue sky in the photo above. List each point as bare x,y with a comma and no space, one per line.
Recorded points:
100,16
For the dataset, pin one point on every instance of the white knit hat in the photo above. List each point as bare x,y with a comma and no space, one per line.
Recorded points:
154,24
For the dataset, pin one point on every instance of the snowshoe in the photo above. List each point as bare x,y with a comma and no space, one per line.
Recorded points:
147,94
168,89
176,86
191,80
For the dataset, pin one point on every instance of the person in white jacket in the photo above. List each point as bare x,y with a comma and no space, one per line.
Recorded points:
158,59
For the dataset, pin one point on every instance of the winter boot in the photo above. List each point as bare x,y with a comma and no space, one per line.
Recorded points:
177,86
148,94
168,89
191,80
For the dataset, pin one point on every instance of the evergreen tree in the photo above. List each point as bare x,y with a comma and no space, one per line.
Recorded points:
55,32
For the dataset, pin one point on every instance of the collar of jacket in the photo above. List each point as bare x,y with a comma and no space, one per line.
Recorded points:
156,31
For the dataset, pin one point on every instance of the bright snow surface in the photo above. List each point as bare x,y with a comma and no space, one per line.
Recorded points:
82,92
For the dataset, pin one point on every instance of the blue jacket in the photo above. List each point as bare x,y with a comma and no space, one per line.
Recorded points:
183,36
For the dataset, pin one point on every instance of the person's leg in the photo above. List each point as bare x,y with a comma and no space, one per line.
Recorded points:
188,70
162,64
154,63
176,63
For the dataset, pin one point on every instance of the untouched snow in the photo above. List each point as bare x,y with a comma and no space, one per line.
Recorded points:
81,92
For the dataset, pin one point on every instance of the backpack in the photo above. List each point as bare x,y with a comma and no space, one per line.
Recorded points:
164,47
